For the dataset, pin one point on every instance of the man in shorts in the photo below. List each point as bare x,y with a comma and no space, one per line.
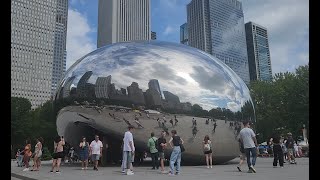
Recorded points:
162,143
96,151
128,151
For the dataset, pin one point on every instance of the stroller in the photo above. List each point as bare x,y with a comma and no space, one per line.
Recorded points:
19,157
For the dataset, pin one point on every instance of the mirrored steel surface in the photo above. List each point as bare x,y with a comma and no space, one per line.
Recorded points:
155,82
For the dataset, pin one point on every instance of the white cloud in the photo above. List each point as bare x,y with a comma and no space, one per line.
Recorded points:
78,41
287,22
168,30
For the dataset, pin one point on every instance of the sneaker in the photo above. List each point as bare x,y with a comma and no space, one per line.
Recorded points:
82,168
123,171
211,167
177,173
164,172
51,171
96,169
130,173
25,169
58,172
239,169
171,174
253,170
86,168
208,167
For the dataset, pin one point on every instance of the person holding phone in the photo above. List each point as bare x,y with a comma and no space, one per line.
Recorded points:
57,153
84,153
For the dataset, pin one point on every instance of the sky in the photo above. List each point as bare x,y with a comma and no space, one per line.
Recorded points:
287,22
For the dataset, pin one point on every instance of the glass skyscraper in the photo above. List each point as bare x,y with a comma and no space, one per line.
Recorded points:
38,32
258,52
184,34
217,27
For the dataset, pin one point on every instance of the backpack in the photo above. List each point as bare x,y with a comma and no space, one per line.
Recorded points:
206,147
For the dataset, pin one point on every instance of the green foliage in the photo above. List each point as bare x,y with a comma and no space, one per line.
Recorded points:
46,155
282,105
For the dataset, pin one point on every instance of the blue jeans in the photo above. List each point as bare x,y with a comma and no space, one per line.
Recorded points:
254,155
175,156
126,160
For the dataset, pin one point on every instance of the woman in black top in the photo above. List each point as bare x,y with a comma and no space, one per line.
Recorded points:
175,143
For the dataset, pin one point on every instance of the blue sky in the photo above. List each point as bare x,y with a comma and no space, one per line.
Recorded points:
287,22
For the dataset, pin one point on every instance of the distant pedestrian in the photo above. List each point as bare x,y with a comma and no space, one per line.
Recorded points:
57,153
162,144
248,138
194,131
193,120
27,155
159,122
138,123
284,149
153,151
290,146
207,149
84,153
37,154
296,150
277,152
128,151
96,151
175,142
214,126
175,120
207,121
242,155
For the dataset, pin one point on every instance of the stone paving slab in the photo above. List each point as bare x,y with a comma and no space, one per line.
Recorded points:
265,171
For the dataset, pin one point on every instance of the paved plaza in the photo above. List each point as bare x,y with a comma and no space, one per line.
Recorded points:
228,171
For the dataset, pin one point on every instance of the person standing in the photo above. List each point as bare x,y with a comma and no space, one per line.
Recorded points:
27,155
162,144
96,151
207,149
84,153
153,151
38,154
214,126
296,150
277,152
57,153
242,155
290,146
248,138
175,142
128,151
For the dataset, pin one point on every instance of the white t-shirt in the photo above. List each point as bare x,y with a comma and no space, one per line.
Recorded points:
127,138
96,146
246,134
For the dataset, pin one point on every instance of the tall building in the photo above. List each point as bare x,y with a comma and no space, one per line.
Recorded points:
123,20
154,85
258,52
102,88
33,47
153,35
82,87
184,34
217,27
60,53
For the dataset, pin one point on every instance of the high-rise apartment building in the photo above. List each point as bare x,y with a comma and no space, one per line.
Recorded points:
33,47
184,34
60,53
217,27
153,35
258,52
123,20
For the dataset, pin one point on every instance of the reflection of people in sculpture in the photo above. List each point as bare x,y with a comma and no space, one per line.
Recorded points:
175,121
207,121
148,115
193,120
194,131
159,123
127,121
138,123
214,126
171,121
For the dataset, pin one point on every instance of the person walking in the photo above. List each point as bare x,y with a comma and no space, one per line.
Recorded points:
290,146
277,152
84,153
57,153
175,142
248,138
27,155
214,126
38,154
153,151
242,155
207,149
96,151
128,151
162,144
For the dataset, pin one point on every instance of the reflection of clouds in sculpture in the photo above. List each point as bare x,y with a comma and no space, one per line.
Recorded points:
192,75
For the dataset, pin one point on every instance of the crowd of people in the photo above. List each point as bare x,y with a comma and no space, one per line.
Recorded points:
282,149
